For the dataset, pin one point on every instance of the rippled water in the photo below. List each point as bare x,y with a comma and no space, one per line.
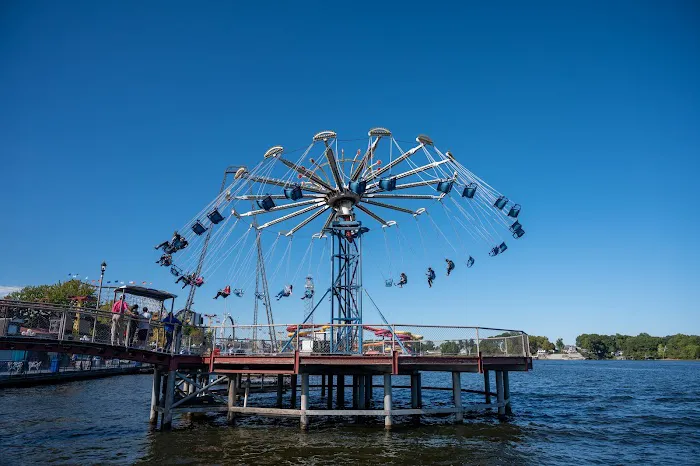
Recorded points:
567,412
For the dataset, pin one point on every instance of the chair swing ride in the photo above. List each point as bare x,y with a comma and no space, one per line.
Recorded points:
338,199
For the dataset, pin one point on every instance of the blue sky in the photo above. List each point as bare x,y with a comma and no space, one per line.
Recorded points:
117,119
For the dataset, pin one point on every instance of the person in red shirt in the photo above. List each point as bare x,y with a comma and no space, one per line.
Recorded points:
225,292
118,310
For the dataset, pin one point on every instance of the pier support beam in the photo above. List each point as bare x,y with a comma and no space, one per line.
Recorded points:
506,392
416,401
457,395
293,400
355,392
368,390
341,391
362,395
155,395
167,421
232,394
499,394
323,385
303,419
487,387
387,401
330,392
280,387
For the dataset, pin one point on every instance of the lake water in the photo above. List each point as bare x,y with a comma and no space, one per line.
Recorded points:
566,412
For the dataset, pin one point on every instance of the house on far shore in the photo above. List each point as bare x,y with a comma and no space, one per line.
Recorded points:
570,349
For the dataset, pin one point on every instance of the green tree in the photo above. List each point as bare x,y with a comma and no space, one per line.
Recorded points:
428,345
449,347
58,293
559,344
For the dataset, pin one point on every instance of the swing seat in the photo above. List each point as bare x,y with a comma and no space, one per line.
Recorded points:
515,227
514,211
294,193
518,233
502,248
215,216
238,292
198,228
388,282
470,262
445,186
469,191
358,187
266,203
259,295
174,270
500,202
494,251
388,184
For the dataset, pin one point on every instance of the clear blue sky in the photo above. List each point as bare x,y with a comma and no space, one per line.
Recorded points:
117,119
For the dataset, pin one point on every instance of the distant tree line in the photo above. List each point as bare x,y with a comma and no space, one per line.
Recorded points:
643,346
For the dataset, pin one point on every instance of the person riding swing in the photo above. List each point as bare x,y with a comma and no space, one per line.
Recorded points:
403,279
285,293
450,266
431,276
226,292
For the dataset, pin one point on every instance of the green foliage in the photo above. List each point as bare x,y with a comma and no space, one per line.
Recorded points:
428,345
559,344
449,347
643,346
538,343
58,293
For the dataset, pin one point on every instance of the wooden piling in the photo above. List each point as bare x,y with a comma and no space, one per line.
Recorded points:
169,397
329,400
368,390
487,387
499,394
341,391
232,395
155,395
387,401
293,398
280,387
506,392
457,395
303,420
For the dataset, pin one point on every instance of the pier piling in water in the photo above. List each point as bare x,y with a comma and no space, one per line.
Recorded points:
387,401
457,395
499,394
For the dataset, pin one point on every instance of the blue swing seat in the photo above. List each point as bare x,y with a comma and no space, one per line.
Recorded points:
518,233
198,228
469,191
514,211
445,186
266,203
515,227
175,271
494,251
389,282
500,202
215,216
470,262
358,187
238,292
294,193
502,248
388,184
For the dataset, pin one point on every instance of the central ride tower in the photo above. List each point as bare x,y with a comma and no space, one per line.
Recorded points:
346,286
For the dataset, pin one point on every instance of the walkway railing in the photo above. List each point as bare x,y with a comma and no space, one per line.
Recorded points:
65,323
423,340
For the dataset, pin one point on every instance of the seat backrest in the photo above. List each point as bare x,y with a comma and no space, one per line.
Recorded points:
500,202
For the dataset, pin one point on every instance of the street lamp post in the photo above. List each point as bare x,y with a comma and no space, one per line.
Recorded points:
103,267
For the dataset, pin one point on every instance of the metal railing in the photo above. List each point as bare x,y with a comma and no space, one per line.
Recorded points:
419,340
65,323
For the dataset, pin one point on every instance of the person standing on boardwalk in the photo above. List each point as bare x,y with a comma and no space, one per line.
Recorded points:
119,308
144,325
170,322
132,323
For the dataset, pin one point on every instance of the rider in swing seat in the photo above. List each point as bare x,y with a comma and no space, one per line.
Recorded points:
431,276
286,292
450,266
225,292
403,279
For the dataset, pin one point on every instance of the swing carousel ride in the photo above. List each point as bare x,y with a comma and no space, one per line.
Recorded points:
415,195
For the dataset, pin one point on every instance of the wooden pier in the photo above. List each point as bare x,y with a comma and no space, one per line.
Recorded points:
181,388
